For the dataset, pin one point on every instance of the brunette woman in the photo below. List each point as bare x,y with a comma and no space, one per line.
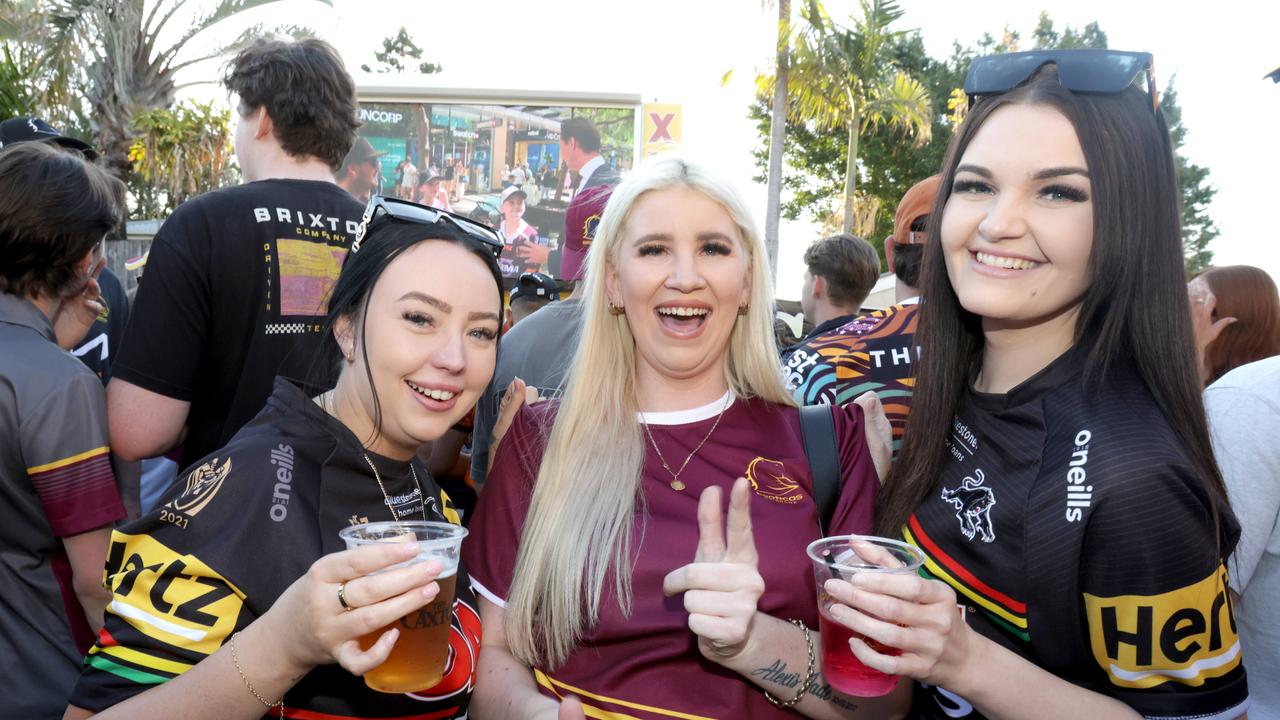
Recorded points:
235,599
1057,470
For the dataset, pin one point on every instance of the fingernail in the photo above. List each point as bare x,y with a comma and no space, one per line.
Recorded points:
832,587
861,580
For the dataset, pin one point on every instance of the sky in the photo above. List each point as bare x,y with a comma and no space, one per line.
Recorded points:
678,50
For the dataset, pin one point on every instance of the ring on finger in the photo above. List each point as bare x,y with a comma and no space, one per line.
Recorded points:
342,597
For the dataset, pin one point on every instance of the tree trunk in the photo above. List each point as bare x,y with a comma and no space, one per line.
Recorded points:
851,172
777,137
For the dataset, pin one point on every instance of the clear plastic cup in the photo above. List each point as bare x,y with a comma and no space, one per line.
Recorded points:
841,557
421,653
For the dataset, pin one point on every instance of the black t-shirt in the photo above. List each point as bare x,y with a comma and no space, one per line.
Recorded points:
235,293
107,331
236,532
1073,528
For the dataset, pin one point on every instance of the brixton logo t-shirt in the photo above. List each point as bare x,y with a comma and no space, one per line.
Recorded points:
234,293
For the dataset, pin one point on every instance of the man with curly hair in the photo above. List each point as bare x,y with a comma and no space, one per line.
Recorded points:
238,279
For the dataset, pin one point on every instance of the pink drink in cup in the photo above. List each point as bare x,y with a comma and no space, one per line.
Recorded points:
837,557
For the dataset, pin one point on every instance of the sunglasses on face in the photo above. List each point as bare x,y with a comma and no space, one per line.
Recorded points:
1082,71
384,207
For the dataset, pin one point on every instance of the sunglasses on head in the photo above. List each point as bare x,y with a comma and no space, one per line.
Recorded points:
1082,71
385,207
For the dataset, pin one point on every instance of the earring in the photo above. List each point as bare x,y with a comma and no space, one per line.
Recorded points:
350,358
742,309
615,310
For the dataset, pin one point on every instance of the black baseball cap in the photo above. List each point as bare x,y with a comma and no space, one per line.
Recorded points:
534,285
32,129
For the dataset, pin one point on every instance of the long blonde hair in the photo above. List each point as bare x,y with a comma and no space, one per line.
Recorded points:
584,502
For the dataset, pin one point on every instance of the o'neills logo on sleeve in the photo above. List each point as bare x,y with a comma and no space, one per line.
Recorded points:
1079,494
282,459
1185,636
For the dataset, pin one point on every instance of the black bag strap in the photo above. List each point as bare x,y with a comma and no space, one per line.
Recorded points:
818,431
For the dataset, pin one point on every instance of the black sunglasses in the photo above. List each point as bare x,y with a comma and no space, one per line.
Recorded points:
380,206
1084,71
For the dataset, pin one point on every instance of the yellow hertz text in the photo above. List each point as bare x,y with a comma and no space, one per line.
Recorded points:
171,597
1186,635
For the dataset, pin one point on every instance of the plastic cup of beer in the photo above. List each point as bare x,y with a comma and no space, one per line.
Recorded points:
421,653
842,557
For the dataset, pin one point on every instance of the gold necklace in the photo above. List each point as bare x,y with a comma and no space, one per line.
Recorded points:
422,499
675,475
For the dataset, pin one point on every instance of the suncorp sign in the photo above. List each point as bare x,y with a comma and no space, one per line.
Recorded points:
385,120
380,116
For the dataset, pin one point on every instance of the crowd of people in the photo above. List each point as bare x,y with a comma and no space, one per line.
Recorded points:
1081,445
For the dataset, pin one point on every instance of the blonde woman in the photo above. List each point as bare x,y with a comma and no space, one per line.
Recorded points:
600,544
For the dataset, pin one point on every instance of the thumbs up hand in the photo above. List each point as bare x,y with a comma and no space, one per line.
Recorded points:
722,585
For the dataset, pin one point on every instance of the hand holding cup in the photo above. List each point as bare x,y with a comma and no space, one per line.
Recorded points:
901,623
314,628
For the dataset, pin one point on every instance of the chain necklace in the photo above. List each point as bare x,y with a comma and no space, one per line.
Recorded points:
675,474
324,402
422,499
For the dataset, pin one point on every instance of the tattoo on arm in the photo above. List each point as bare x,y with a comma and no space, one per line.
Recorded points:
777,674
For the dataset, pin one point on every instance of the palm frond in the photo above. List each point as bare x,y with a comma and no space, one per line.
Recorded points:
222,11
901,102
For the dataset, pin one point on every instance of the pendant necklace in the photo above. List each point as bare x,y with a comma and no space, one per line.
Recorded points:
676,483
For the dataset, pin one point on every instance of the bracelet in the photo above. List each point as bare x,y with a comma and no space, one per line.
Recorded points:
235,660
808,678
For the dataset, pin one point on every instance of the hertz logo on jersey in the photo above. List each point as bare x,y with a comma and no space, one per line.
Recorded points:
1186,636
170,597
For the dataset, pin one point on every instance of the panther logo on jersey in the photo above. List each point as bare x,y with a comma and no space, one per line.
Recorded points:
973,502
202,484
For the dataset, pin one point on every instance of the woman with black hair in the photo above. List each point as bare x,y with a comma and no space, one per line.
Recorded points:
232,600
1057,470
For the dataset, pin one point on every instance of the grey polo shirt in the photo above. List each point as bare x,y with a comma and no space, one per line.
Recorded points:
55,481
537,350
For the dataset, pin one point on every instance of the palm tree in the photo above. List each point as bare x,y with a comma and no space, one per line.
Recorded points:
844,78
777,135
28,85
113,47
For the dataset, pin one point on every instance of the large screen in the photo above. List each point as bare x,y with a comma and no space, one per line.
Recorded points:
462,157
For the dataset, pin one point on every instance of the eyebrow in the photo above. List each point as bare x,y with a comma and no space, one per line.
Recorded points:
437,303
666,237
1054,172
1044,174
446,307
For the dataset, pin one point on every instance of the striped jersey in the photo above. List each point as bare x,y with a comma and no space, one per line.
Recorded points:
873,352
1073,528
233,534
56,482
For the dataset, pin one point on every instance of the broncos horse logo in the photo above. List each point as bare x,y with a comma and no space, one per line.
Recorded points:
973,501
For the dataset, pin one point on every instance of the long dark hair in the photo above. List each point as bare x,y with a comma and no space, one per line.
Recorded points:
384,241
1134,312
